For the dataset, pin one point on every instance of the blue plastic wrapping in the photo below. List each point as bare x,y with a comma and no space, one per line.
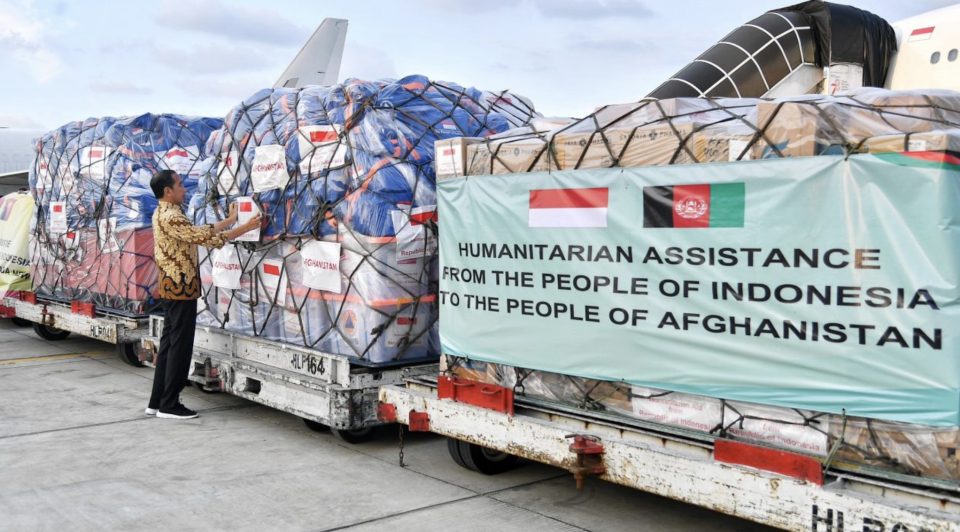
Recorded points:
354,161
98,172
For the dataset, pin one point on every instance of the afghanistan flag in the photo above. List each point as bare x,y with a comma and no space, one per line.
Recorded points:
719,205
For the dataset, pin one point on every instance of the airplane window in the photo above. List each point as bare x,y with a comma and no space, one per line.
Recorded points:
935,58
952,56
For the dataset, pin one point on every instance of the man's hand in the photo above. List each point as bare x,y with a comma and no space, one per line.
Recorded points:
251,224
229,220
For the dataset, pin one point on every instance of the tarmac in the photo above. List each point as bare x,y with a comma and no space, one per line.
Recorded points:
77,453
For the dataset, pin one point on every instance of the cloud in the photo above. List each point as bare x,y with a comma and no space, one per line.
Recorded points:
612,45
235,22
119,87
231,90
213,58
19,122
469,6
366,62
592,9
23,35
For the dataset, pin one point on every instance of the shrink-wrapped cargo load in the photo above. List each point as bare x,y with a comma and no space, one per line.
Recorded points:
346,260
92,239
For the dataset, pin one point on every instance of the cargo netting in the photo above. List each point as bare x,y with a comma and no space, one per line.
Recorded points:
92,239
702,130
345,261
921,125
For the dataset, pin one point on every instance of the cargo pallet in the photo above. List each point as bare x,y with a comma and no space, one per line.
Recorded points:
328,391
55,320
489,429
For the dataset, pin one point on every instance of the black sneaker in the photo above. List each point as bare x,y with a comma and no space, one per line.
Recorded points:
177,412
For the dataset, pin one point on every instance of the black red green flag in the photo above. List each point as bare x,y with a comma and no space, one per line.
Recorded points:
693,206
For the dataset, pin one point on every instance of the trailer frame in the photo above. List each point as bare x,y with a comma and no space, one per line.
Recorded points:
751,482
327,390
85,319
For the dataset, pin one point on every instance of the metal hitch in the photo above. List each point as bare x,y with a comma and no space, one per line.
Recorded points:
589,453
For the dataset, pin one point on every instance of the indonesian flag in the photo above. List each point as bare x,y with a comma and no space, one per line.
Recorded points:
569,207
422,215
271,268
323,134
694,206
921,34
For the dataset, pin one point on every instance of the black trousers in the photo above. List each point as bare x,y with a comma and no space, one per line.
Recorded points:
176,350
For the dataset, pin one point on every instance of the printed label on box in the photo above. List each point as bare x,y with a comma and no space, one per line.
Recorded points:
227,269
736,148
247,209
274,280
449,160
321,266
228,179
320,148
93,161
916,145
58,217
269,168
414,240
107,233
183,161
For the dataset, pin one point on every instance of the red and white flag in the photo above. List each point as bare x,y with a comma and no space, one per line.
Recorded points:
921,34
569,207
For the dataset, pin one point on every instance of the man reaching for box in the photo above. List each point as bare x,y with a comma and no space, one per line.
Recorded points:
175,251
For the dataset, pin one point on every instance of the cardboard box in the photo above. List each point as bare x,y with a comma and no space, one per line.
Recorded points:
816,125
450,156
652,145
527,153
714,147
940,140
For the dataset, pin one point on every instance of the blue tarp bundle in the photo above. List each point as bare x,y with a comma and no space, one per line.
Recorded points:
342,164
100,169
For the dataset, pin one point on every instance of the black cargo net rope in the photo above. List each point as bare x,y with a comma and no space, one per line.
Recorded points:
53,254
414,331
734,114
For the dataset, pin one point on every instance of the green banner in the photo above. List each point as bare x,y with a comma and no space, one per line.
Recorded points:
16,211
818,283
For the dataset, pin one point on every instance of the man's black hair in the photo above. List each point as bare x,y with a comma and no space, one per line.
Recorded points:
162,180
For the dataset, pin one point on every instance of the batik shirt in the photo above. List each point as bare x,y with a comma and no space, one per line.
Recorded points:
175,250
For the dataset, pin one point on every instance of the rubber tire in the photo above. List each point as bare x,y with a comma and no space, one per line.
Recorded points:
482,460
315,426
353,436
128,353
20,322
50,333
453,447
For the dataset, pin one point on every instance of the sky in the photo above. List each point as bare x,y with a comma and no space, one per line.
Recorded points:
63,61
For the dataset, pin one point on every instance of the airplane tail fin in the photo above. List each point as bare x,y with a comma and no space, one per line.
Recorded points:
318,62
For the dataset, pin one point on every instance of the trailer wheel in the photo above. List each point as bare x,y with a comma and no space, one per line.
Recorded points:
353,436
49,333
130,353
483,460
20,322
453,447
314,426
